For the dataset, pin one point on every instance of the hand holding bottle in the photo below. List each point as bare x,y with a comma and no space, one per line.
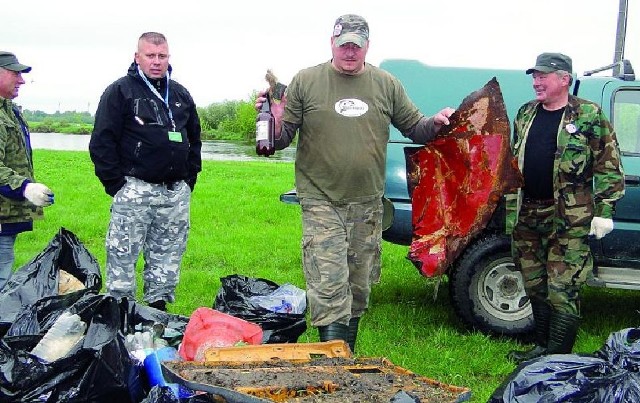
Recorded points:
275,96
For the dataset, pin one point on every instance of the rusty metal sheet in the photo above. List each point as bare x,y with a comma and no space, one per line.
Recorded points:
457,180
278,351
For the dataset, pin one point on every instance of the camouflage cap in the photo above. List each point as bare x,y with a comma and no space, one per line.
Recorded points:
9,61
548,62
351,28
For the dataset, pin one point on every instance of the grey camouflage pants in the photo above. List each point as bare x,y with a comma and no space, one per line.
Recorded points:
154,219
341,246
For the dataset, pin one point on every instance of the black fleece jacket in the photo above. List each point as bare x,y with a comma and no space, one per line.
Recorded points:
131,134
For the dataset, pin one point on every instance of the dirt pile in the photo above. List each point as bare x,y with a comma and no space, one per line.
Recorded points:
369,380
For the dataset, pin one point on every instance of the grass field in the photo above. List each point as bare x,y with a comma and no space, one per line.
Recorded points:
239,226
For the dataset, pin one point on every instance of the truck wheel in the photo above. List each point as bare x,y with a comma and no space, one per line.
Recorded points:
487,292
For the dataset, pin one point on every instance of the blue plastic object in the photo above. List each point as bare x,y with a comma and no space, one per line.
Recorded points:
153,368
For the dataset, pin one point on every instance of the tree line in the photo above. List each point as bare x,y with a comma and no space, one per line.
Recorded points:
227,120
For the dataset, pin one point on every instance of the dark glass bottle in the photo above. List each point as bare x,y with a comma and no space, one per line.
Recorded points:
265,130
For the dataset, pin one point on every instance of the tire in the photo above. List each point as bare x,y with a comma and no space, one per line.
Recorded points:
487,292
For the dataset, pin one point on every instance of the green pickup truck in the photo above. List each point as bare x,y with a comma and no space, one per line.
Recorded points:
486,292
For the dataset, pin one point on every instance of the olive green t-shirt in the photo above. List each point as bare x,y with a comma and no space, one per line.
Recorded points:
344,128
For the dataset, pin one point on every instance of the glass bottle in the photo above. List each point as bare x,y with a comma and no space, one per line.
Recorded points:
265,130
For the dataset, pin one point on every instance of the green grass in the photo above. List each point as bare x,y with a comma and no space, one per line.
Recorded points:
239,226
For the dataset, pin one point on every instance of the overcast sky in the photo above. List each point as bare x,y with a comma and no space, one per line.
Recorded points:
221,50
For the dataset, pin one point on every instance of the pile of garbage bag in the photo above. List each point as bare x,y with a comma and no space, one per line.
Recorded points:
62,341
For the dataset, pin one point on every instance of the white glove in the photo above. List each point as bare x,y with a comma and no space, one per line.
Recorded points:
601,226
38,194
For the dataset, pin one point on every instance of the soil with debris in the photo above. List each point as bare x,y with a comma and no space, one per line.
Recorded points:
334,380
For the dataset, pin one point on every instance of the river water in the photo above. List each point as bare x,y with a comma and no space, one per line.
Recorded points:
218,150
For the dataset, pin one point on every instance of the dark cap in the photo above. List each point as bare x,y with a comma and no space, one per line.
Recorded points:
548,62
351,28
9,61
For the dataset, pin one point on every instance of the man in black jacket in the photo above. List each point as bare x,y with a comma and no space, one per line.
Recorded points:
146,147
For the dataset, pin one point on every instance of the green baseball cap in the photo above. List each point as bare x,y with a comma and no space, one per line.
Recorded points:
351,28
9,61
548,62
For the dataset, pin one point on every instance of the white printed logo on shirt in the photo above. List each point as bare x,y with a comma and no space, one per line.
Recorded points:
351,107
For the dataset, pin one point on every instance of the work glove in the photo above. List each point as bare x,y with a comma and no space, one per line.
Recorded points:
38,194
601,226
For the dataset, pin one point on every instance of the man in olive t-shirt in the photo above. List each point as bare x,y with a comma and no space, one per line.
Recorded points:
342,110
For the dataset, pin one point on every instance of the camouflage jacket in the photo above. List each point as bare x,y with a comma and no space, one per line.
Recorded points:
588,177
15,167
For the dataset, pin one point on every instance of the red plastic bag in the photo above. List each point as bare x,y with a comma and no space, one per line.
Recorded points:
210,328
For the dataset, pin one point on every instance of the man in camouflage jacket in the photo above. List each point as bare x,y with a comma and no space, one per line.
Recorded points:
21,199
569,156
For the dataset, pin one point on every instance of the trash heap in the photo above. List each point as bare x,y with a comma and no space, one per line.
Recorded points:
61,340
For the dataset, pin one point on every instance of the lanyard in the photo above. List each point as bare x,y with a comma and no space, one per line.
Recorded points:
164,99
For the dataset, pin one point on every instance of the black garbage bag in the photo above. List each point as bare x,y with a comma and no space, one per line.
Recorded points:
609,375
40,277
161,394
164,394
622,349
138,317
234,296
36,319
98,368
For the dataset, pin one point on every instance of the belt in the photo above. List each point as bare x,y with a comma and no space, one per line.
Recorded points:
546,202
168,185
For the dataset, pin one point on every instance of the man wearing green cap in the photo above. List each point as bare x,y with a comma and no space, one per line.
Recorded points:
342,110
21,198
569,156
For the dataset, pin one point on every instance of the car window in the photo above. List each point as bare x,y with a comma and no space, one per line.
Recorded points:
626,119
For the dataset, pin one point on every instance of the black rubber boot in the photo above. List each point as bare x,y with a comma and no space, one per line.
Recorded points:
563,330
352,333
333,331
541,317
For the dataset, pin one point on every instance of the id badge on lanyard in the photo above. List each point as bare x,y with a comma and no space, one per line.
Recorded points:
173,134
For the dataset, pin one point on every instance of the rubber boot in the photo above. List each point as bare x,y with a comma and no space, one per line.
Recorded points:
352,333
541,317
333,331
563,330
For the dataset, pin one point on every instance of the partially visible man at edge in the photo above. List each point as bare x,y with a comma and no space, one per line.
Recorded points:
570,158
21,198
342,109
146,150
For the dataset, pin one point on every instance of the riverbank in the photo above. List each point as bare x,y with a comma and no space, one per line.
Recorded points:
213,150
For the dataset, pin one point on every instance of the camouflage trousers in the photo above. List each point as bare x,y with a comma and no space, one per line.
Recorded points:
341,245
153,219
555,261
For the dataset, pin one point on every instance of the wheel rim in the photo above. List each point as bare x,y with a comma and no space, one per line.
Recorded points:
502,291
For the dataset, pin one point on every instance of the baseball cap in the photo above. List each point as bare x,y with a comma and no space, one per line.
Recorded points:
351,28
9,61
548,62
